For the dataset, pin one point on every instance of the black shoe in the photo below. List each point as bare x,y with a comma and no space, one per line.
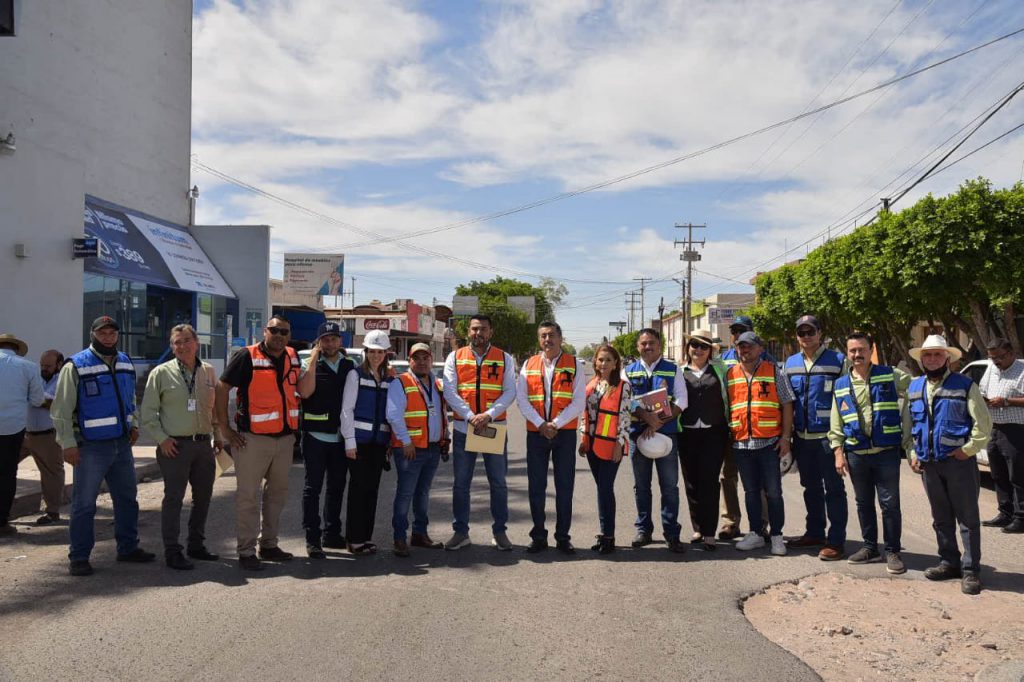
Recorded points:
642,539
998,521
80,568
675,546
565,547
942,572
178,562
250,563
536,546
607,545
970,583
275,554
203,554
1015,526
137,556
334,542
48,519
729,532
315,552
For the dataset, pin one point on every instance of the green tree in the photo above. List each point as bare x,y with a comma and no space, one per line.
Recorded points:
512,330
569,348
625,344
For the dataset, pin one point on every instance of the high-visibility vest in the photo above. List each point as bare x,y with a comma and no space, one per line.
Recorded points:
321,411
417,419
602,436
271,403
754,409
105,396
662,376
813,387
369,415
886,428
480,385
562,380
946,427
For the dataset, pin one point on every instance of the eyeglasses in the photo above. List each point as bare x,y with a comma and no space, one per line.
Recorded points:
806,332
279,331
697,346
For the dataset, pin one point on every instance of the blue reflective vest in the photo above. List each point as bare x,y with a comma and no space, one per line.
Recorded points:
947,425
886,425
664,376
106,398
370,413
812,409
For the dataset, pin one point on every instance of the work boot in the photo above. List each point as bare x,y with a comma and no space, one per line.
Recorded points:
642,539
970,583
1015,526
942,572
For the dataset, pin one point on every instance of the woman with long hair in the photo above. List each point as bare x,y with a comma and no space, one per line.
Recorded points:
705,434
364,426
605,436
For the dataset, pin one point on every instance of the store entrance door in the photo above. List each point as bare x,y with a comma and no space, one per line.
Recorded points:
165,308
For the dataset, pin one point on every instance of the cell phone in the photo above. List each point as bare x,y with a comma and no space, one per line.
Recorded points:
488,432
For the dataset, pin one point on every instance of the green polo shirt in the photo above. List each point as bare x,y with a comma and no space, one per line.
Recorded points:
164,411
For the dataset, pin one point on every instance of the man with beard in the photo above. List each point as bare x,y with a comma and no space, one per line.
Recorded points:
22,387
93,413
41,441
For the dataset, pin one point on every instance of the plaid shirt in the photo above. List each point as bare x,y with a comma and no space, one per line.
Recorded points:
1008,383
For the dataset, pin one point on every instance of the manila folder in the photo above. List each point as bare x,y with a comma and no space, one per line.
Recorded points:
493,444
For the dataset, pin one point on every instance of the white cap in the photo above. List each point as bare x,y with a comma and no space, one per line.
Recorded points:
377,339
655,447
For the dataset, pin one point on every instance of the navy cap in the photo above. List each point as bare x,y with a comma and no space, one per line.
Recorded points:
105,321
808,321
742,321
749,337
328,328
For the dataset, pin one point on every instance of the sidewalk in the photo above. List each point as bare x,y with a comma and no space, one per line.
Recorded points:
28,497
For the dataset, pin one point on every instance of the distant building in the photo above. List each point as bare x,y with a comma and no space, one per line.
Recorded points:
405,321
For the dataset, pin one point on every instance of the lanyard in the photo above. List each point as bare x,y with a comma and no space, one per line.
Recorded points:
428,391
190,383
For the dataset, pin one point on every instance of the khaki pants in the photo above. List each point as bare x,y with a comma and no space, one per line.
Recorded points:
49,458
264,458
730,496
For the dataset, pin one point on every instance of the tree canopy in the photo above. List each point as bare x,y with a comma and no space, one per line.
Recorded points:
512,330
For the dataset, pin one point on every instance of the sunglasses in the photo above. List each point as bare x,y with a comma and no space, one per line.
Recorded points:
279,331
697,346
806,332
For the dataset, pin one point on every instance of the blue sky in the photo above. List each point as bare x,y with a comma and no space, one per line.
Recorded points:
395,117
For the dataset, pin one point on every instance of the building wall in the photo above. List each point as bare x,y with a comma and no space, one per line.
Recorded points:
248,273
98,97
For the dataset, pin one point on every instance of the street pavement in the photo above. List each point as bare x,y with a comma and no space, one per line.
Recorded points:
476,614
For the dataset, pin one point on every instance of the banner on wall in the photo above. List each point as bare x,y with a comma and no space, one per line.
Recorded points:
314,274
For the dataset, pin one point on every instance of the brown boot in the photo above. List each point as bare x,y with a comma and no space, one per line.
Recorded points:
423,540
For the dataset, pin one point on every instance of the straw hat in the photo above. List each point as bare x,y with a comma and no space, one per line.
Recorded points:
936,342
11,338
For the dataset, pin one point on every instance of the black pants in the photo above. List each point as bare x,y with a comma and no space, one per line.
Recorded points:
701,453
363,484
10,455
193,465
1006,460
952,486
323,460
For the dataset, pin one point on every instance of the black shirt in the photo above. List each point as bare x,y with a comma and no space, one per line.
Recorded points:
238,373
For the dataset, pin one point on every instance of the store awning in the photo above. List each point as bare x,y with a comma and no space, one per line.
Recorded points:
138,247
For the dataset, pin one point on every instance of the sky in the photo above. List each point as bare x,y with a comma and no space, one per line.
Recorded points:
408,135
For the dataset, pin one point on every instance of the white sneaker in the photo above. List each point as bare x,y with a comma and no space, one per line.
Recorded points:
778,545
751,540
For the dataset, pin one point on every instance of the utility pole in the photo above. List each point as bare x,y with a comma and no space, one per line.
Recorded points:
353,292
631,307
689,255
661,309
643,310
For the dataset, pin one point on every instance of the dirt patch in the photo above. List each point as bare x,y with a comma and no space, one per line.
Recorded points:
848,628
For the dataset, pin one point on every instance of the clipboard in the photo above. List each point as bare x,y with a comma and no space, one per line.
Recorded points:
491,443
224,462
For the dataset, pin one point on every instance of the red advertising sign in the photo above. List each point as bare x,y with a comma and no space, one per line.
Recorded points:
371,323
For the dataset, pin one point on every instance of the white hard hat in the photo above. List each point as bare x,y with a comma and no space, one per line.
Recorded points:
655,447
377,339
787,464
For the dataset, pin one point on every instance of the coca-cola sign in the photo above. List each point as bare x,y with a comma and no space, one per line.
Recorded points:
381,323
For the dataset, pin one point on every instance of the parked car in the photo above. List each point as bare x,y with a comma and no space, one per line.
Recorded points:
975,370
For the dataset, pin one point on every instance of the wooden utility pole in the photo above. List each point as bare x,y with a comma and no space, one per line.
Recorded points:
689,255
643,309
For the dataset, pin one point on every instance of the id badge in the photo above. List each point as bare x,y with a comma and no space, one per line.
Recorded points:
191,405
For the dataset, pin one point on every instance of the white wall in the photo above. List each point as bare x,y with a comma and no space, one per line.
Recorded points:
98,96
242,255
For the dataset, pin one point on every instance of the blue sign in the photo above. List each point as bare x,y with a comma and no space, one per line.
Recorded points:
123,251
238,342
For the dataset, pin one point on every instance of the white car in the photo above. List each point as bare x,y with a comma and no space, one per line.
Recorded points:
975,370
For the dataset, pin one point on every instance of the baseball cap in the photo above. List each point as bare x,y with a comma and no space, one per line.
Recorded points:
742,321
749,337
808,321
328,328
104,321
416,347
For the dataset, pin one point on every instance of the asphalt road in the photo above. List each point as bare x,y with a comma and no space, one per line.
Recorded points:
470,615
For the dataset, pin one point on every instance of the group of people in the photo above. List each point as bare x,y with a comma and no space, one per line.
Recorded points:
711,419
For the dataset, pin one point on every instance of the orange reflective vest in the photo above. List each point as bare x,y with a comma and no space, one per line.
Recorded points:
272,402
754,409
562,380
600,437
480,386
417,418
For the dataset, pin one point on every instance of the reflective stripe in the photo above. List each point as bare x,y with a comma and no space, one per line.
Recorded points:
293,413
315,417
842,392
767,422
561,394
264,417
949,393
261,362
532,372
954,442
879,378
94,369
764,403
824,413
885,406
93,423
416,413
368,382
414,432
368,426
537,396
891,429
125,366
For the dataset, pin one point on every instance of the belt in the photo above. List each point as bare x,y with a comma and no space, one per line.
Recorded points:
196,438
40,433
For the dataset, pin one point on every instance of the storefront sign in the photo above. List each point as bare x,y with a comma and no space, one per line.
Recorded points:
381,323
89,247
314,274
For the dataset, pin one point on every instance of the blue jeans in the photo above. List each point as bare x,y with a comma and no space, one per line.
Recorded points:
322,460
604,471
668,482
824,491
952,486
413,487
464,464
109,460
878,472
561,450
759,471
